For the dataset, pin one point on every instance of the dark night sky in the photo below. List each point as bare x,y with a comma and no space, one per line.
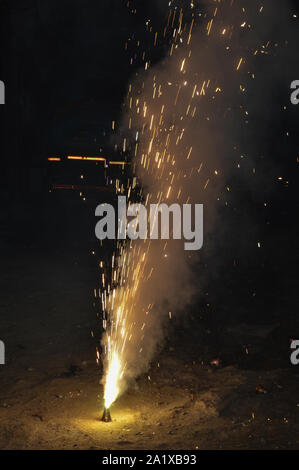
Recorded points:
65,71
62,64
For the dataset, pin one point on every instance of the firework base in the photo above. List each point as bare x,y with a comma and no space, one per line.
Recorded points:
106,418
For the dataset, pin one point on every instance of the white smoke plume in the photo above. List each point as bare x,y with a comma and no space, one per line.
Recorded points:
190,121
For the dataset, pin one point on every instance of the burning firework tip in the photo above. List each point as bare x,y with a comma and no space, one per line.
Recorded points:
106,418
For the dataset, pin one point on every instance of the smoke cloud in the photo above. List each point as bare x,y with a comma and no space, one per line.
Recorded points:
194,122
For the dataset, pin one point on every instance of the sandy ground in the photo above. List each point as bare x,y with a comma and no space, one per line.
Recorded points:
50,396
183,406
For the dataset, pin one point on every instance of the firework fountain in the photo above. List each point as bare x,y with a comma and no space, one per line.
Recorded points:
180,127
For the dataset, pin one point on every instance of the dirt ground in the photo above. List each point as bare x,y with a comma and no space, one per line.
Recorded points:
50,396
